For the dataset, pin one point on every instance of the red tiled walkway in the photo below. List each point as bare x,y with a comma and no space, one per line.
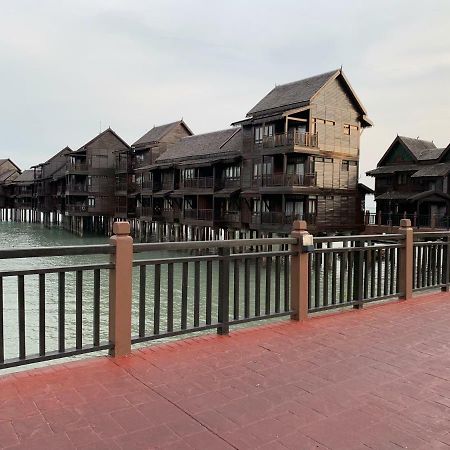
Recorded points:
377,378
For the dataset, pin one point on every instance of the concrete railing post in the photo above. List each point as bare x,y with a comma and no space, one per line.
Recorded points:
120,290
406,260
379,218
299,274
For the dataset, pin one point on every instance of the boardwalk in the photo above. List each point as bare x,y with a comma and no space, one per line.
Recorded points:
377,378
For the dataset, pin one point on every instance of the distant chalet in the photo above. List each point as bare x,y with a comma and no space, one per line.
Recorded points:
412,178
294,156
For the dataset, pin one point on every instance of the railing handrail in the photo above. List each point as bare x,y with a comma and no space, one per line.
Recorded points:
72,250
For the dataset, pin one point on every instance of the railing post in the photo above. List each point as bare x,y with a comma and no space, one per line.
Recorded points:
379,218
120,290
432,221
446,266
406,260
224,286
299,274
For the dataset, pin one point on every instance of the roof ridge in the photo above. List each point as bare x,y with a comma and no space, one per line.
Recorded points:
307,78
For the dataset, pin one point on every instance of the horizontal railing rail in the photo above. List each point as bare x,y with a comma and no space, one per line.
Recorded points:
291,138
288,180
197,183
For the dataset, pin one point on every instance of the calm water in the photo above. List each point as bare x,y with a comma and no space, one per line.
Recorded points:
32,235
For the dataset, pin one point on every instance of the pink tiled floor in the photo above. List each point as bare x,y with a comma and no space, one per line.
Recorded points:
377,378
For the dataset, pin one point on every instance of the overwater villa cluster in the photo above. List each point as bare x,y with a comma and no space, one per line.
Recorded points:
294,156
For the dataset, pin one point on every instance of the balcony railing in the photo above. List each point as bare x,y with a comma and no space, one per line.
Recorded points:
291,139
280,218
123,166
197,183
290,180
76,187
229,183
77,167
229,217
123,186
199,214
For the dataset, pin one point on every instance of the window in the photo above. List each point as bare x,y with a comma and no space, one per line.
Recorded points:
89,181
402,178
261,132
233,172
91,201
296,168
294,208
188,174
345,166
260,169
328,160
312,202
256,207
349,129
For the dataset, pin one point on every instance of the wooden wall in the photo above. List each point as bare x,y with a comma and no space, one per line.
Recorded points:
331,174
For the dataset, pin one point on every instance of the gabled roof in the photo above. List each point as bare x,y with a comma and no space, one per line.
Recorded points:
393,168
64,151
294,93
3,161
157,133
26,177
421,150
300,93
433,170
108,130
203,145
6,175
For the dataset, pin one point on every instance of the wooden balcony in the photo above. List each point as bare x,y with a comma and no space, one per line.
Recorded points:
291,139
123,166
271,218
202,215
83,209
170,215
76,188
77,167
289,180
197,183
229,217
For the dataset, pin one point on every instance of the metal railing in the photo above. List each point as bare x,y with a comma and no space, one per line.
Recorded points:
52,304
417,220
353,270
283,179
229,283
291,138
199,214
197,183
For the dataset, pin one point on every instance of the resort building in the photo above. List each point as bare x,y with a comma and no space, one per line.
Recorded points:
412,181
8,173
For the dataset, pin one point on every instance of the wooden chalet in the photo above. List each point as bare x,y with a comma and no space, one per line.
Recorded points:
300,149
412,180
49,183
9,171
145,151
23,190
91,182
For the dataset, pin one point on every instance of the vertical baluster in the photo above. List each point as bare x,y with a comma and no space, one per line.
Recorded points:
223,291
277,284
372,273
236,290
350,273
184,299
317,261
21,305
333,277
61,312
414,267
386,271
342,271
170,297
79,309
325,277
433,264
196,293
42,314
310,280
393,270
142,288
366,261
419,266
287,273
268,283
247,288
96,322
257,287
157,300
2,342
428,265
208,292
439,263
379,271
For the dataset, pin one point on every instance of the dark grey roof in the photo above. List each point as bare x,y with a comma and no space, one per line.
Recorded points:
204,145
393,195
157,133
5,175
27,176
386,170
293,94
433,170
429,193
421,149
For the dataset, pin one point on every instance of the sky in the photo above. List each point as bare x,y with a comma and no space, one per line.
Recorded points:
70,68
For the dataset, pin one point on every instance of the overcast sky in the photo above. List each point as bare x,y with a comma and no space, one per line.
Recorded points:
68,68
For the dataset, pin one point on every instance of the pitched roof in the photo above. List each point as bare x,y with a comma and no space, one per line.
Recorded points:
108,130
27,176
433,170
295,93
5,175
386,170
203,145
422,150
157,133
394,195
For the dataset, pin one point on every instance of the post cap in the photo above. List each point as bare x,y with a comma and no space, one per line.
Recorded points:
300,225
121,228
405,223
